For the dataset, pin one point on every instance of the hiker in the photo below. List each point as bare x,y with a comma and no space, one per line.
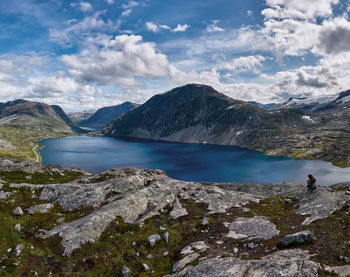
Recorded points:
311,183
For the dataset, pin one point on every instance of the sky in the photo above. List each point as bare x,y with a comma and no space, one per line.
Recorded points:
84,55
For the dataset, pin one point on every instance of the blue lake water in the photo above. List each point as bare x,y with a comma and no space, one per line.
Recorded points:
190,162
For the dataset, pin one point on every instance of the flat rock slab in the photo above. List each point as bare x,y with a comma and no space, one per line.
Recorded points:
252,226
294,263
185,261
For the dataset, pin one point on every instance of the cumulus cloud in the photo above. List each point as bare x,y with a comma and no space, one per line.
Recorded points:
119,61
213,27
110,2
180,28
244,64
300,9
335,36
83,6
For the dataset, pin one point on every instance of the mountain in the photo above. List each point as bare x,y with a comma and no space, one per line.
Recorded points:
102,117
23,123
77,117
199,114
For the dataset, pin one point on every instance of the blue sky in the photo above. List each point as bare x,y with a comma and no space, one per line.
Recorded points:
89,54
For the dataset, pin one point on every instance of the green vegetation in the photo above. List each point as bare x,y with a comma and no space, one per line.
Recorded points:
19,141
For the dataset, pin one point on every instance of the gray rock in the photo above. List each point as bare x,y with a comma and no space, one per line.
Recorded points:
178,266
4,195
17,227
178,210
342,271
129,197
187,250
126,272
199,246
254,226
42,208
17,211
293,263
146,267
166,237
18,249
297,238
153,239
166,253
149,256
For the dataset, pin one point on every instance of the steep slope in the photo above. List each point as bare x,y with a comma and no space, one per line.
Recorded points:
106,115
23,122
198,114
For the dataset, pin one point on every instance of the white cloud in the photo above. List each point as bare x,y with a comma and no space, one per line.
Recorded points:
300,9
249,13
180,28
80,29
244,64
213,27
128,8
123,61
110,2
83,6
155,28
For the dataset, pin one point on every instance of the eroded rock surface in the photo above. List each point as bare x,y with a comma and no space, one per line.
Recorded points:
256,226
133,196
283,263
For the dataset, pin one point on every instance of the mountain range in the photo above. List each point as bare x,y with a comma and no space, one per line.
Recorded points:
299,128
196,113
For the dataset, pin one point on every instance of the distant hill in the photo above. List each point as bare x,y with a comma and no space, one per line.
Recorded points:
23,123
77,117
104,116
199,114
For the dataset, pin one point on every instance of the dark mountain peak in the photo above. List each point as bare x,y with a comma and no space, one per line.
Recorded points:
194,90
102,117
343,94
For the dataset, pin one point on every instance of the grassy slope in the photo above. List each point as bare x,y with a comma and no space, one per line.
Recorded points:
19,141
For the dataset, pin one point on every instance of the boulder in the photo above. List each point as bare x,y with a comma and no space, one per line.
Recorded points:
18,249
296,239
153,239
178,210
185,261
17,211
17,227
126,272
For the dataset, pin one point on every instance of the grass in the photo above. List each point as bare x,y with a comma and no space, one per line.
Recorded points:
18,141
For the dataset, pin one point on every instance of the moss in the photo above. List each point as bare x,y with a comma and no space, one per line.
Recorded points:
38,178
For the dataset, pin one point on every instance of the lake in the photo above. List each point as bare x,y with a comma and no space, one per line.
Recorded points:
183,161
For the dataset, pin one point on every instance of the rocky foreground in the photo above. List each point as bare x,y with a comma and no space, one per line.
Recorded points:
133,222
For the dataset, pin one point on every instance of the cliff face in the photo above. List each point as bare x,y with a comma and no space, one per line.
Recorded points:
198,113
67,221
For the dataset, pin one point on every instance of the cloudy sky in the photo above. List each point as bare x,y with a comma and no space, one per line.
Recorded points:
88,54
